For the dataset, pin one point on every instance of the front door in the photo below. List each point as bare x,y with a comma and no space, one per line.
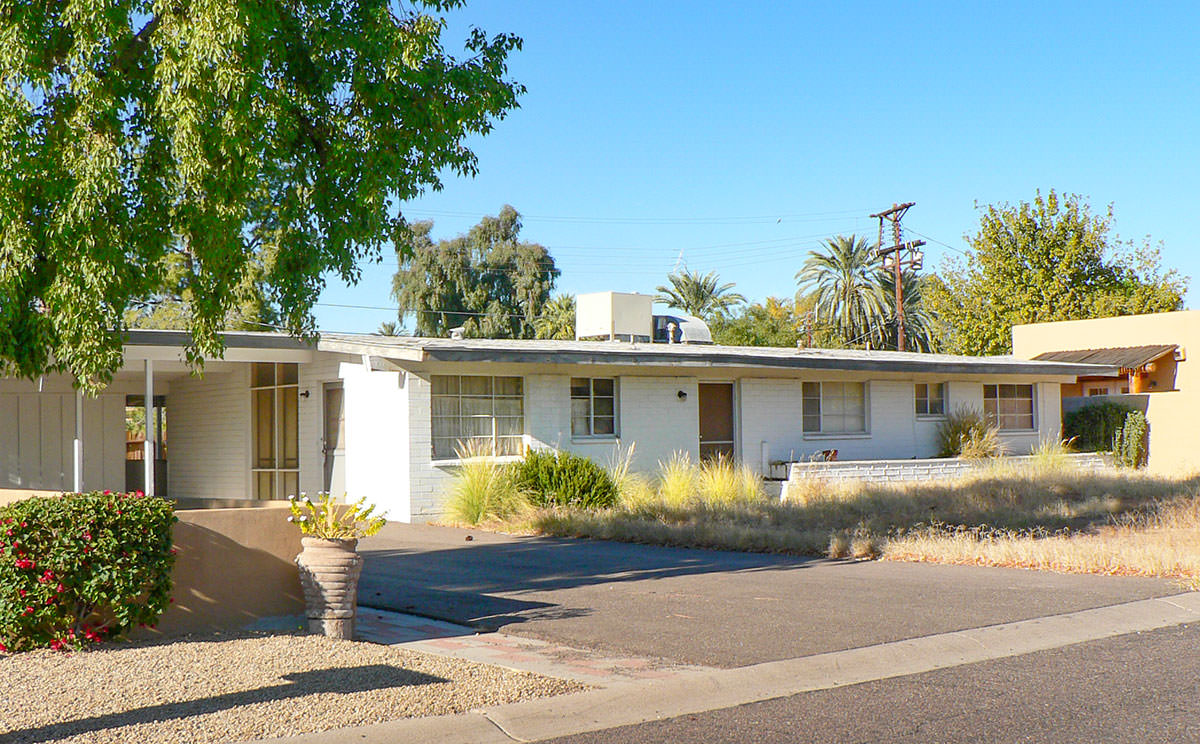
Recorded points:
333,442
716,420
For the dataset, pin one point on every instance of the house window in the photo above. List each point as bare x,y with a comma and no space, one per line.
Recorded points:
1009,406
485,412
931,399
593,407
1093,391
275,409
835,408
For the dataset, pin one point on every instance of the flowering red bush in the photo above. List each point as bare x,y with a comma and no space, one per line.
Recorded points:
82,567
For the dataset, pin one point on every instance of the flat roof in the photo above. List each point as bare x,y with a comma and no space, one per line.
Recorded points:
419,349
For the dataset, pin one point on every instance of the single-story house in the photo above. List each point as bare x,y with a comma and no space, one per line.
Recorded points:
1149,370
382,417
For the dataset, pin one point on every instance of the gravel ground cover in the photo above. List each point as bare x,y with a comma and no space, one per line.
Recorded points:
223,688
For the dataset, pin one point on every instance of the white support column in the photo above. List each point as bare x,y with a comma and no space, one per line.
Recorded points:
77,482
151,435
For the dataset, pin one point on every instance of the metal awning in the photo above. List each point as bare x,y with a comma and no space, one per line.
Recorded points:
1123,357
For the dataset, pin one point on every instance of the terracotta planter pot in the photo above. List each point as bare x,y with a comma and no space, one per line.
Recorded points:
329,571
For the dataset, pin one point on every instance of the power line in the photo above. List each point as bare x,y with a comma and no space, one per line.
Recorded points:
796,216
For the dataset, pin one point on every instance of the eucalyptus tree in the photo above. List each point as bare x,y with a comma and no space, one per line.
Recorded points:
236,136
846,286
488,282
702,296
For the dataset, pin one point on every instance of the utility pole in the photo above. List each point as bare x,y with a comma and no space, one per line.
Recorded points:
913,260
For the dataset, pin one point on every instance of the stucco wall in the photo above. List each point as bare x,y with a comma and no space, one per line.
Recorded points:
234,566
1172,415
378,437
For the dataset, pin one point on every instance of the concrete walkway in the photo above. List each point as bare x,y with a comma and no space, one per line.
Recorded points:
621,700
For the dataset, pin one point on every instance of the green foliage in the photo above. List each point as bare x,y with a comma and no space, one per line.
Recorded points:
772,323
701,296
552,478
326,518
1046,260
78,568
1129,443
557,320
389,328
854,298
487,281
1093,427
177,150
483,489
966,432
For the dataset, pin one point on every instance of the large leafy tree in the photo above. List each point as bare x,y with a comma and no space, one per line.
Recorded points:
233,137
774,322
488,282
1045,260
700,295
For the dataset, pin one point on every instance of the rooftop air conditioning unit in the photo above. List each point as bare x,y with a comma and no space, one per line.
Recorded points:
614,316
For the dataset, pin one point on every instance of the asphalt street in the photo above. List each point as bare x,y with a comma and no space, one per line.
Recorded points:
1136,689
704,607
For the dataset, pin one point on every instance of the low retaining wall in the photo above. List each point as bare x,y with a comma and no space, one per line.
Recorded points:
896,471
234,566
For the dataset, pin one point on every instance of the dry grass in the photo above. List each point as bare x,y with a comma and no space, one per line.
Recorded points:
1043,514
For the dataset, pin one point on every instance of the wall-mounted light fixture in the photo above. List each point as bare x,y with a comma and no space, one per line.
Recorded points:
305,394
681,395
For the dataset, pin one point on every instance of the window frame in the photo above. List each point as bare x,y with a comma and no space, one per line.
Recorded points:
996,418
821,413
917,398
591,398
284,481
493,417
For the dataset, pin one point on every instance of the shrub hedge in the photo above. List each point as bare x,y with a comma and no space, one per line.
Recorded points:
1093,427
78,568
563,479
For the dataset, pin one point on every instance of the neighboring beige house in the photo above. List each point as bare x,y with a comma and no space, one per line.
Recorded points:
1153,373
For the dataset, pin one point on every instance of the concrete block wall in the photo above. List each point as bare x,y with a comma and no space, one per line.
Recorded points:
208,435
897,471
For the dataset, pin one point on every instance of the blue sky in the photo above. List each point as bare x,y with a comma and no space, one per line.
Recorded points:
744,134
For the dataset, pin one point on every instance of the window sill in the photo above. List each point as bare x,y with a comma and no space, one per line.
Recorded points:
605,439
931,417
831,435
453,462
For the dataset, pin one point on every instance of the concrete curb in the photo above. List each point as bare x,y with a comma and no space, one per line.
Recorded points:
634,702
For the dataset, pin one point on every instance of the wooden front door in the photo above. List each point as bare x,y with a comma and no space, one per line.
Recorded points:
716,420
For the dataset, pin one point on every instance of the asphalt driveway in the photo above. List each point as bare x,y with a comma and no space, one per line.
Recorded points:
700,606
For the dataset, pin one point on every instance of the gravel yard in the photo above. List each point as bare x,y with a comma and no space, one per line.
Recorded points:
223,688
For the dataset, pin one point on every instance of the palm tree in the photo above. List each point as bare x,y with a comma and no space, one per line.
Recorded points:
919,323
846,283
557,320
701,296
388,328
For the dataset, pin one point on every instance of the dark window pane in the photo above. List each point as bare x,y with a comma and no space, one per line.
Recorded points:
262,374
579,387
289,374
602,387
605,425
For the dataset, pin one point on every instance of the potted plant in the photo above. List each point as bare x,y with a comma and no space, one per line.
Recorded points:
329,562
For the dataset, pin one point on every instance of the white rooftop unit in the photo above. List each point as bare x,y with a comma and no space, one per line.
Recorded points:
614,316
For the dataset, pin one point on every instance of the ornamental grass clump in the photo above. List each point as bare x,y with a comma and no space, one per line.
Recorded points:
325,518
79,568
483,488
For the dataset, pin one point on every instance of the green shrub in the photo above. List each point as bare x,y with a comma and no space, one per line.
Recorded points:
966,432
1094,427
77,568
1129,443
551,478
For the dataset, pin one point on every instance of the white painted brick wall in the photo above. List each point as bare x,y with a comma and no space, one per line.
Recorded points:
208,435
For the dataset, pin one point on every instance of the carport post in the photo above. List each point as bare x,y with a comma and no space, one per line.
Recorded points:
77,482
151,434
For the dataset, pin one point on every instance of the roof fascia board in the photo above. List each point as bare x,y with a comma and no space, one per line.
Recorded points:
403,353
1038,369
